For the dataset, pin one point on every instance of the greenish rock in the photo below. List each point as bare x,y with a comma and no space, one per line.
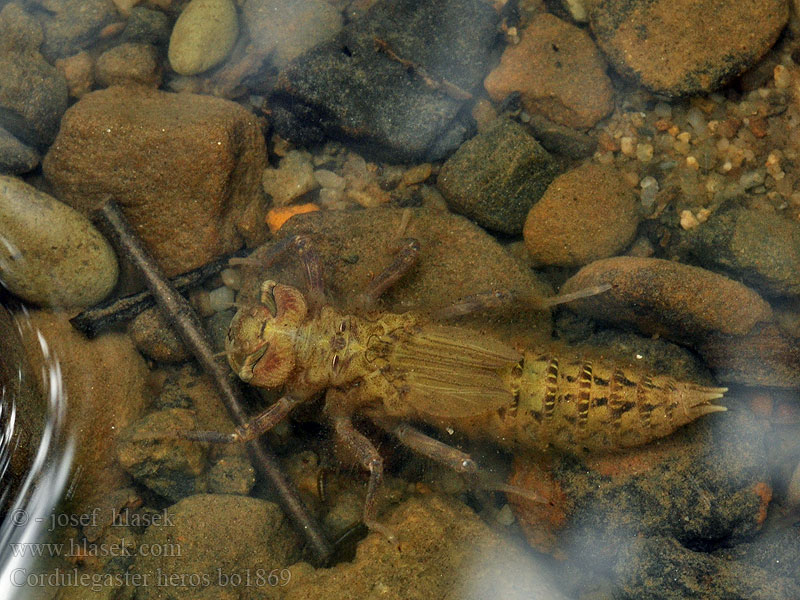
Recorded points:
762,249
50,254
497,176
203,36
149,451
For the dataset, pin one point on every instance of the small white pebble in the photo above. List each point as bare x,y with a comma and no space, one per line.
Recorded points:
505,516
697,120
626,146
649,187
221,299
231,278
329,179
692,163
783,78
644,152
688,220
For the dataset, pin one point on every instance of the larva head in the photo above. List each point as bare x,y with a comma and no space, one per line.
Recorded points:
261,340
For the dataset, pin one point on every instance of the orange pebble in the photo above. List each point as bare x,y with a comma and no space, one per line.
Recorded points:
277,216
764,493
663,125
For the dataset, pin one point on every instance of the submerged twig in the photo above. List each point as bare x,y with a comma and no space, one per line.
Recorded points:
186,323
93,320
437,83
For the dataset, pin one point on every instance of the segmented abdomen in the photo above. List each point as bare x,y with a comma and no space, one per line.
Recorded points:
580,405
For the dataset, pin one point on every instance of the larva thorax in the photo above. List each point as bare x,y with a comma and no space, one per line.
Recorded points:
583,405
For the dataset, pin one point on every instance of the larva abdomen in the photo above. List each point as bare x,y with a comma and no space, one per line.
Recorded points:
583,405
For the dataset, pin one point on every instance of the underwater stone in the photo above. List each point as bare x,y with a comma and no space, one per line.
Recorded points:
558,72
203,36
679,47
185,169
586,214
71,25
656,296
497,176
50,254
221,538
763,249
15,157
170,467
349,89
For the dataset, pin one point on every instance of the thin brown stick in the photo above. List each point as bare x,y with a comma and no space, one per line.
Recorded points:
437,83
186,323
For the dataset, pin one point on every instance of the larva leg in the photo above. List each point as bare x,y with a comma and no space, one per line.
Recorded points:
452,458
502,297
583,293
475,303
303,246
369,458
405,258
432,448
261,423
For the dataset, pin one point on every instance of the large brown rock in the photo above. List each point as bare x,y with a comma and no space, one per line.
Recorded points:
106,383
678,47
585,214
667,298
186,169
729,325
558,72
456,259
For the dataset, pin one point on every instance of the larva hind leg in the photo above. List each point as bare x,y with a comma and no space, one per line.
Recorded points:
452,458
503,297
369,459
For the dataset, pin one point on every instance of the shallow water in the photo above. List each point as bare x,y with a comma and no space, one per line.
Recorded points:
374,131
